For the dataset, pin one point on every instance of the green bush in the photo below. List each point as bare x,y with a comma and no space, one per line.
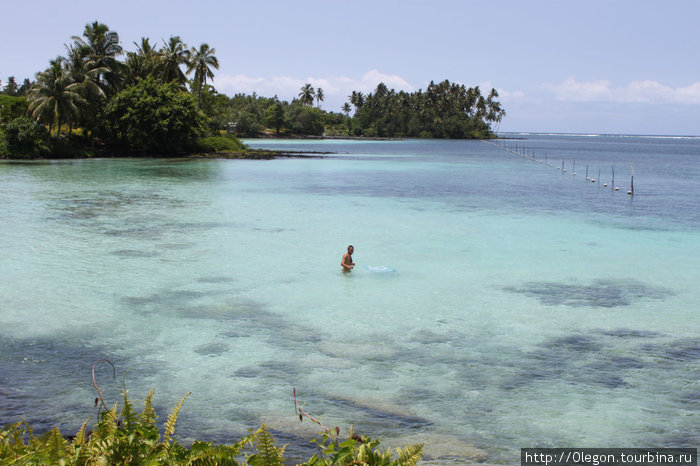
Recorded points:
12,107
227,142
370,133
4,151
305,120
71,147
248,125
25,138
152,117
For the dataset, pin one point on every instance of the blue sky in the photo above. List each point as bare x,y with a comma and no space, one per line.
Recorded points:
560,66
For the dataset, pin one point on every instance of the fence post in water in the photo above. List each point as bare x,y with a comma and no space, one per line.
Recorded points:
587,173
573,169
631,191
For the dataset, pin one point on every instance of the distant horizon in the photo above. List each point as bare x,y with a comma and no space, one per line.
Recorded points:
596,67
571,133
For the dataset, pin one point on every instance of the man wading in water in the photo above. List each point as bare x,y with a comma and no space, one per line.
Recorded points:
347,262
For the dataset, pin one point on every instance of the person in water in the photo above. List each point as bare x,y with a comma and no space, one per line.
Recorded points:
347,262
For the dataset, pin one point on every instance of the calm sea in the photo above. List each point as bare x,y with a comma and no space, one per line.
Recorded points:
527,306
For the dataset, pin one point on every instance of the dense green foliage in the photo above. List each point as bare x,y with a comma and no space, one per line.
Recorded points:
223,143
4,149
444,110
25,137
12,107
91,101
124,436
152,117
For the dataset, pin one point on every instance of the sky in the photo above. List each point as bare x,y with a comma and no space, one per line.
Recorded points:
564,66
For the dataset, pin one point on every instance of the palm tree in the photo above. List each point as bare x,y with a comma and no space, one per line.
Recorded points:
306,96
54,97
201,62
357,99
83,72
319,97
494,111
172,55
100,49
142,63
346,109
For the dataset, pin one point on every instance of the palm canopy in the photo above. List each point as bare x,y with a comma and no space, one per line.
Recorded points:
55,98
173,54
306,96
142,63
201,62
320,97
99,48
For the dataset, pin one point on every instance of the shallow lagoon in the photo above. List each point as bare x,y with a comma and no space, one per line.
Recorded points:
527,307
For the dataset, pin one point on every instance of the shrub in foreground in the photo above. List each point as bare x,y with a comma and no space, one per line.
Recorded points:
123,436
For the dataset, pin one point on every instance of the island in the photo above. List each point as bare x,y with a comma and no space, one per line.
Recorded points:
100,100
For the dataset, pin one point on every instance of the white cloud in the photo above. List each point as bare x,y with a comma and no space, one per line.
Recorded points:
287,87
647,91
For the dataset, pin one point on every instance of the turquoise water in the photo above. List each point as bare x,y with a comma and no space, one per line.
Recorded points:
527,307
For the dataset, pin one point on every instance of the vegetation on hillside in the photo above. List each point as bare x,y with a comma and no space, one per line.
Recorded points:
158,99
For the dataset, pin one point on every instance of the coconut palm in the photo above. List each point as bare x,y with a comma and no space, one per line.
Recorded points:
346,109
142,63
357,99
306,96
55,98
202,61
99,48
83,72
319,97
494,111
173,54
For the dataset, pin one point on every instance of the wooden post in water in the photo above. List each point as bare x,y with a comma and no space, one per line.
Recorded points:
587,173
631,191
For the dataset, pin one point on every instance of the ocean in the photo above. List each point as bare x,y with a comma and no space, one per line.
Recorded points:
499,301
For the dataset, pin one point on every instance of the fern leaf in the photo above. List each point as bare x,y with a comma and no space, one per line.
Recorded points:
148,416
56,445
128,411
267,452
79,439
410,455
172,419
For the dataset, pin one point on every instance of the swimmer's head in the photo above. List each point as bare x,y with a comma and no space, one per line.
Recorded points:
351,248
